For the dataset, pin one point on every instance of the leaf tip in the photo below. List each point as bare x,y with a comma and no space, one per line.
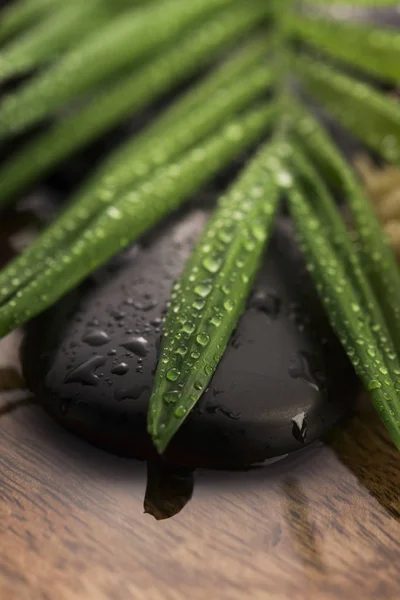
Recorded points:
160,442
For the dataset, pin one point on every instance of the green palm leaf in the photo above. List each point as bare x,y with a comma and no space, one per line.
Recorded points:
298,52
373,3
370,49
129,38
342,304
204,313
53,35
23,13
378,259
370,115
127,95
129,217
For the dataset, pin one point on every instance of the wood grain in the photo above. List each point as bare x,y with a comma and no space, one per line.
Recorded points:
322,524
319,525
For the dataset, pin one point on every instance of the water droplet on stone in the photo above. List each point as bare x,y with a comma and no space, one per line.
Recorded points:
96,338
302,367
267,302
120,369
299,427
146,303
131,393
86,372
137,344
119,315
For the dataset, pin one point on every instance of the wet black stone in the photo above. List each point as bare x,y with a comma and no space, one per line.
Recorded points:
283,382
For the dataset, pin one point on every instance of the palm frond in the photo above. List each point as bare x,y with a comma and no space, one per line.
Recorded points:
308,56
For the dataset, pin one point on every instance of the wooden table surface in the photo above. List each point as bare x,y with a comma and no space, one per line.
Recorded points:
319,525
322,524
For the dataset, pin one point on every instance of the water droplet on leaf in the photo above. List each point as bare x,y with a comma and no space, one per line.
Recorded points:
173,374
203,339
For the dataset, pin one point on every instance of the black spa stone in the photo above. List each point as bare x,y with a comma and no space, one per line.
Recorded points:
283,382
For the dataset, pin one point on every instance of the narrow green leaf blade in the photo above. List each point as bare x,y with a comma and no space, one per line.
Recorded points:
343,308
371,116
349,3
209,298
375,51
130,217
126,97
147,153
327,212
52,35
247,54
378,258
22,13
127,39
